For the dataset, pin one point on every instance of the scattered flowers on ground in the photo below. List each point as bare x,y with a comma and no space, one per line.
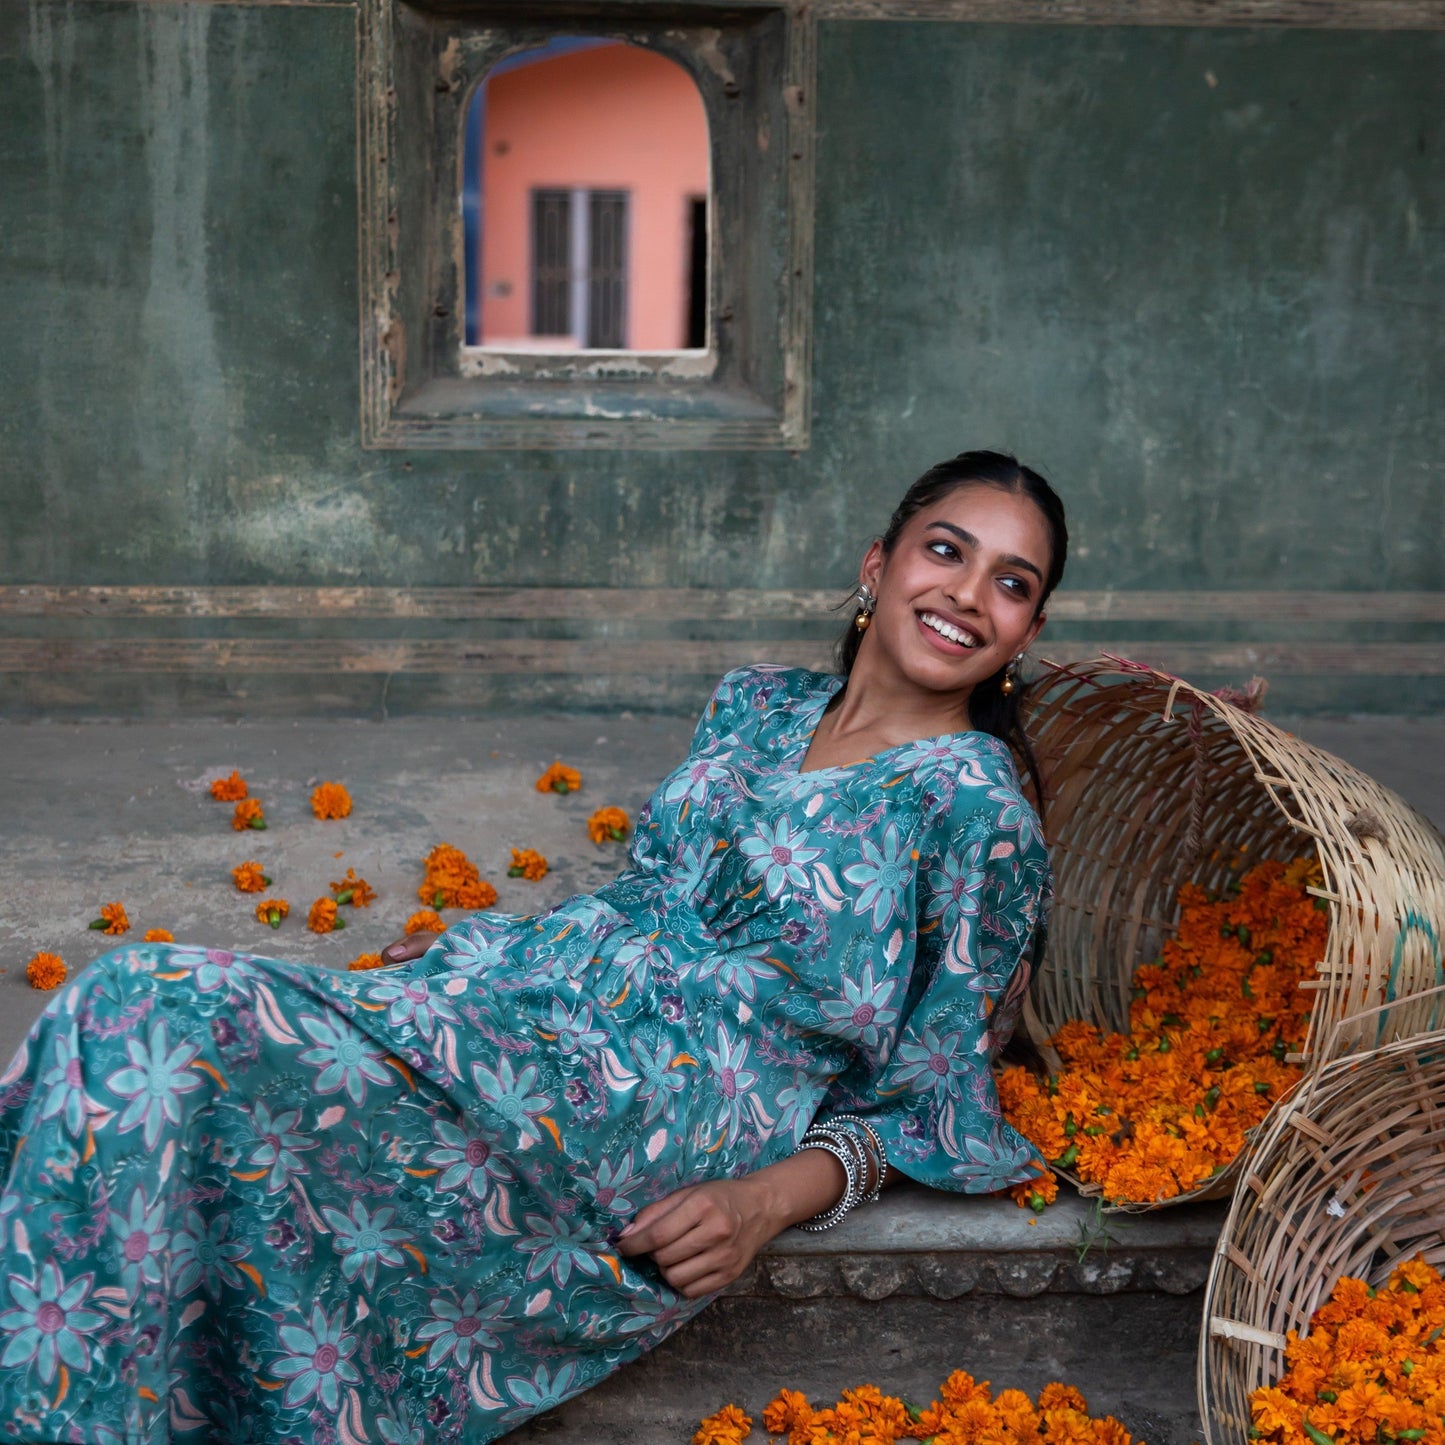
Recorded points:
1154,1113
425,920
272,911
229,790
112,919
353,890
364,961
559,778
158,935
249,878
527,863
45,970
1371,1368
608,823
966,1413
323,917
452,881
248,814
330,800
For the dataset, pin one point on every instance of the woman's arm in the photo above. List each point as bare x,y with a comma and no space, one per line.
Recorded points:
704,1236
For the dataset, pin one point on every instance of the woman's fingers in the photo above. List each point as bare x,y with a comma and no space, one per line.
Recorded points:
408,948
657,1224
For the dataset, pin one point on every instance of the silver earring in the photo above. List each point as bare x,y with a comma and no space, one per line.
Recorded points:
866,603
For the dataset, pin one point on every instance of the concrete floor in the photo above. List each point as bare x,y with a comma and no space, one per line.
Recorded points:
95,812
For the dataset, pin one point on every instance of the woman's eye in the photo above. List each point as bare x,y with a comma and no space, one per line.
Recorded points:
1016,585
943,549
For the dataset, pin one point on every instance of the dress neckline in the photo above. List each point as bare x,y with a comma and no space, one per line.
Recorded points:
832,685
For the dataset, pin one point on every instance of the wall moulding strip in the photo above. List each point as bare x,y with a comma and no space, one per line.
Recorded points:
1206,14
595,655
685,604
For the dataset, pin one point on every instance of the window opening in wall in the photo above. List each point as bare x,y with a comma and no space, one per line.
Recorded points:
588,164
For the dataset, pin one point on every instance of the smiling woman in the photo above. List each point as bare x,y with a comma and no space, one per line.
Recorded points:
570,1130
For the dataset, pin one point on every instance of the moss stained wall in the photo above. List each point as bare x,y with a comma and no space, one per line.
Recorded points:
1197,276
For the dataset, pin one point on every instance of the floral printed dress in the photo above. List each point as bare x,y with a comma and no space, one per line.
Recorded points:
249,1200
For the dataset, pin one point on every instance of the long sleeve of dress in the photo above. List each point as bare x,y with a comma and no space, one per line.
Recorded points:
979,900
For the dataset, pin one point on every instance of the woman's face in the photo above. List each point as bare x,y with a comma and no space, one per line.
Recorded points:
958,596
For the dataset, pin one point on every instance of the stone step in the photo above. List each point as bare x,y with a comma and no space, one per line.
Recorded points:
924,1283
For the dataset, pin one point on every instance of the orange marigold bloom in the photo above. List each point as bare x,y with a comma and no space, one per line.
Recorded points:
45,970
559,778
527,863
452,881
1055,1396
112,919
364,961
272,911
728,1427
158,935
1036,1193
323,917
229,790
476,895
249,878
787,1410
608,823
425,920
351,889
248,814
330,800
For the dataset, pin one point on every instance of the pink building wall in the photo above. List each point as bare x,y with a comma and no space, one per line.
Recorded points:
612,118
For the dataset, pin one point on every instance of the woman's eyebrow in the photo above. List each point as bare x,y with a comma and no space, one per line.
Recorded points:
968,539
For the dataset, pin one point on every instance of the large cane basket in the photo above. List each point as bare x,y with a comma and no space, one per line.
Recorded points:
1345,1177
1153,783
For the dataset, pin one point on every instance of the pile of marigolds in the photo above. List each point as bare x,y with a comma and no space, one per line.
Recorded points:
1153,1114
1371,1369
965,1414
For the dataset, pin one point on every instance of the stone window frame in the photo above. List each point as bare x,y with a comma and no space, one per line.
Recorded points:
754,63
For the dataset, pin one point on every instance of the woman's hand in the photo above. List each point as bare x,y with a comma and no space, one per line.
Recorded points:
704,1236
408,948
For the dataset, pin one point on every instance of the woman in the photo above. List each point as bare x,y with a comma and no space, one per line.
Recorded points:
247,1200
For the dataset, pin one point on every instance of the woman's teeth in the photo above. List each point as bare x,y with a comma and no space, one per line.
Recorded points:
946,629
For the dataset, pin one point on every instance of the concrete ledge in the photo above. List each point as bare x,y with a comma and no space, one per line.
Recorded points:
922,1242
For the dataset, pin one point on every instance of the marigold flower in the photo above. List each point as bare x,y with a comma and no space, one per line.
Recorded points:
365,961
229,790
323,916
1214,1025
1036,1193
728,1427
425,920
330,800
351,889
476,895
248,814
158,935
452,881
608,823
272,911
527,863
1371,1367
112,919
45,971
559,778
249,878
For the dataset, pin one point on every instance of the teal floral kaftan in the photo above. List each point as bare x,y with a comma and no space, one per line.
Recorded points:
247,1200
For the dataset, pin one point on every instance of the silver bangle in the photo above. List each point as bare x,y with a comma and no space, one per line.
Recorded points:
845,1155
880,1159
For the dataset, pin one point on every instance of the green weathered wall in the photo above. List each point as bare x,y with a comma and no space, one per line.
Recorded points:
1196,276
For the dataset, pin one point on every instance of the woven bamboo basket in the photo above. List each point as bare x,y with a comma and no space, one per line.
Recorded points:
1345,1177
1153,783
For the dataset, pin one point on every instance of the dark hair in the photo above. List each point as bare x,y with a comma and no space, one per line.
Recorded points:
991,710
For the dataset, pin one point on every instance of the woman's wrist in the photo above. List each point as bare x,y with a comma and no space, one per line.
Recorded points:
797,1188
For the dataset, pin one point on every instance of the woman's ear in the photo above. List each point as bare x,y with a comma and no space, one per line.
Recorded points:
872,567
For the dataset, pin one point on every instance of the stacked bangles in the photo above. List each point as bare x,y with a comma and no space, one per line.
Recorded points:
855,1144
